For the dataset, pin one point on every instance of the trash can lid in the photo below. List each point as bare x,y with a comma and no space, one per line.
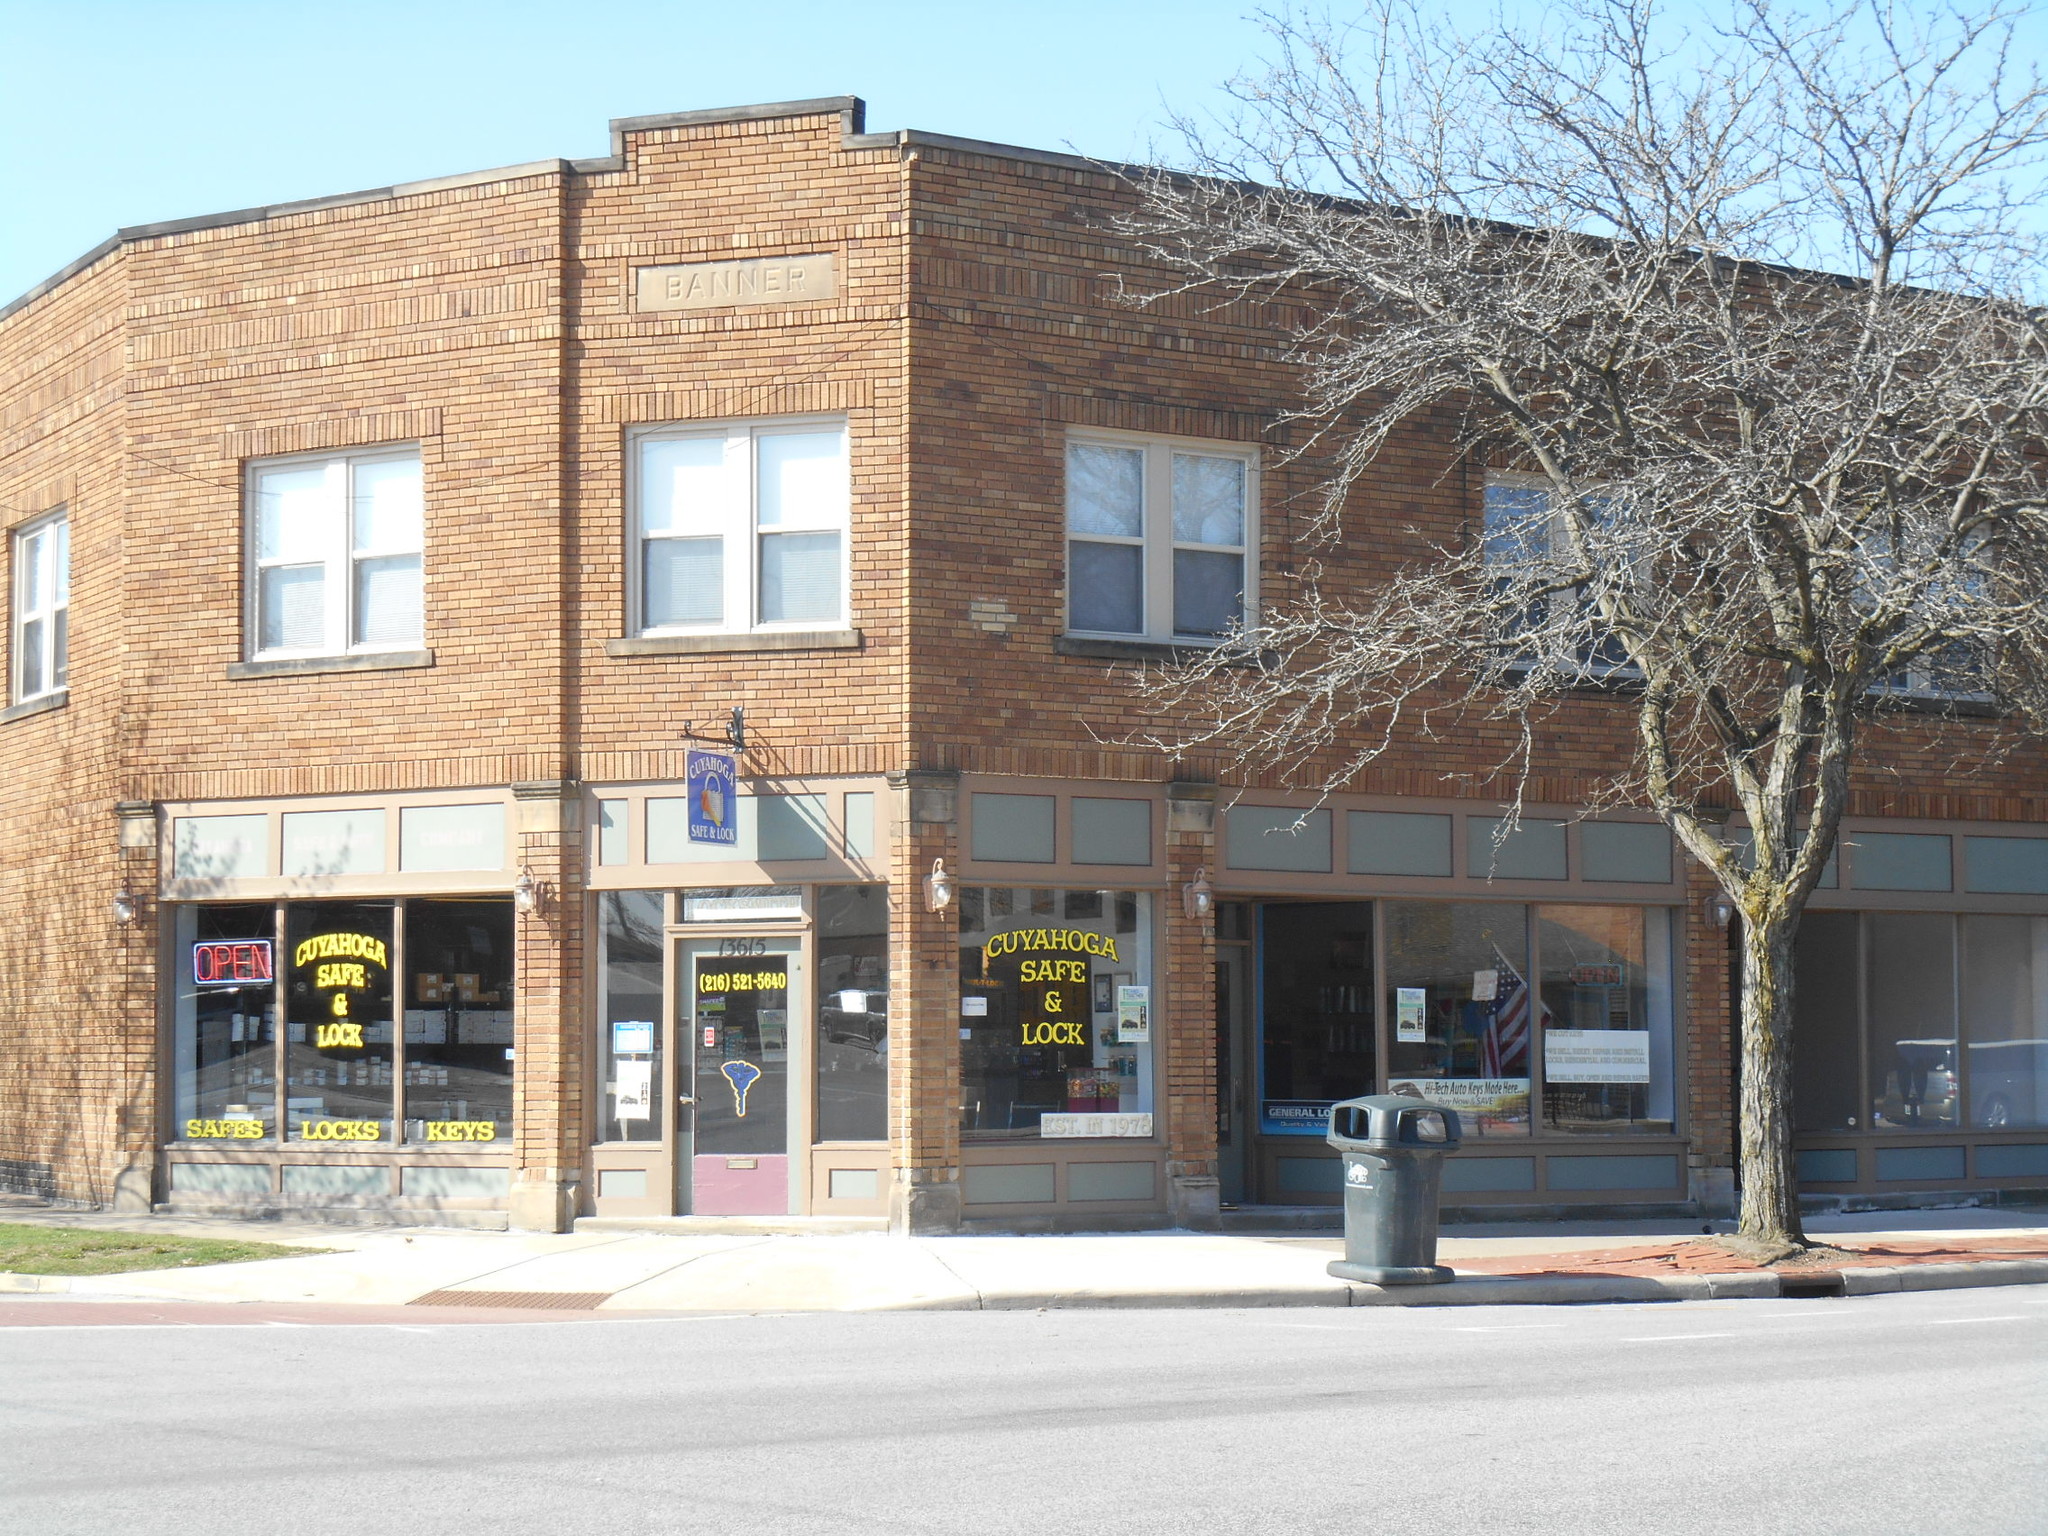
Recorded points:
1394,1120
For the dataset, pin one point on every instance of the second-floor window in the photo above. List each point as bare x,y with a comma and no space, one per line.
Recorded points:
1525,540
1159,538
334,553
42,607
740,527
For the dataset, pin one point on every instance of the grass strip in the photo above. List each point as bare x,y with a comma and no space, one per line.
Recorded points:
37,1250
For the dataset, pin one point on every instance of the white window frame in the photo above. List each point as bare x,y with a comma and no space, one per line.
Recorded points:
338,558
1157,541
738,526
50,607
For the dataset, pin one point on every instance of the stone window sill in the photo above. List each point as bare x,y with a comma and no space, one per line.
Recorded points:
40,705
307,666
769,640
1133,650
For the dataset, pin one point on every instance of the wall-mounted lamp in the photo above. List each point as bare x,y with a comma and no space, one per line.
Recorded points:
1198,897
122,907
1720,910
528,894
938,888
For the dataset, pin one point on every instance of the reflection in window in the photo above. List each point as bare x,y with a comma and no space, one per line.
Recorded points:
1912,1020
2005,1021
458,1021
224,1064
1055,1009
853,1013
1918,1069
629,1014
1463,1015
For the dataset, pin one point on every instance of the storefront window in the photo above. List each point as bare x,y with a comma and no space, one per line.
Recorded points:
629,1014
225,1082
1317,1010
338,1024
1606,990
1464,1017
1912,1021
1055,1013
458,1021
1828,1022
2005,1021
853,1013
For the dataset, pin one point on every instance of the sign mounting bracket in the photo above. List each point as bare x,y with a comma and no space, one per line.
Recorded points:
735,731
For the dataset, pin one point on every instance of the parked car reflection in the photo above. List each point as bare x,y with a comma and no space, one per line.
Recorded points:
2008,1084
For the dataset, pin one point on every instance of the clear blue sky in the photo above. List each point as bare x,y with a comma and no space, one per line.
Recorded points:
117,112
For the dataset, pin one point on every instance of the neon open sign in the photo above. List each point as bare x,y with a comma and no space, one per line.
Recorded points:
231,963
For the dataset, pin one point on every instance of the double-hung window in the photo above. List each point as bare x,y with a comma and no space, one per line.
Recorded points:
1525,537
1159,538
740,527
334,554
42,603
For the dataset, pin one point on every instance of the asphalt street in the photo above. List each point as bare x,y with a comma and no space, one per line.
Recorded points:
1917,1412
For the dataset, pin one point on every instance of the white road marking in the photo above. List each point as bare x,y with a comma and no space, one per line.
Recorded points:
1506,1327
1950,1322
1672,1338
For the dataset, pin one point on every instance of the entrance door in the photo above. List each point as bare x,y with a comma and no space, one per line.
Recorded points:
739,1003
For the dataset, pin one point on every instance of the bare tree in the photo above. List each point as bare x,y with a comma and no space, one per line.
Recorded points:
1751,312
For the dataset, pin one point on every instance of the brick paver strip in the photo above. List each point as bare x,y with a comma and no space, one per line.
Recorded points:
1699,1258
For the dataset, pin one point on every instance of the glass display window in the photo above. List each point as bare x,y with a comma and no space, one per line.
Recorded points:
1606,989
853,1012
1465,1017
224,1066
1317,1012
1056,1013
459,1046
2005,1021
1827,1025
340,1049
629,1015
1915,1080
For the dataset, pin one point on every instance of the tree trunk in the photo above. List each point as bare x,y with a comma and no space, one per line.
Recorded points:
1770,1188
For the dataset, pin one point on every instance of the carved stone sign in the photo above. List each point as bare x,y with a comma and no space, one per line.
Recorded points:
714,284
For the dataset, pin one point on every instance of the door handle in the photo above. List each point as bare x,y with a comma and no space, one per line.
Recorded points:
684,1098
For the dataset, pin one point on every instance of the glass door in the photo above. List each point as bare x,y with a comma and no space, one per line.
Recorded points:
735,1000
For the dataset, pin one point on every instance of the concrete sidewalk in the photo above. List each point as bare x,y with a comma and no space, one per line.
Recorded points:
610,1270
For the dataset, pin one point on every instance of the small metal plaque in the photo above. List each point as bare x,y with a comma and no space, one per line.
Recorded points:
717,284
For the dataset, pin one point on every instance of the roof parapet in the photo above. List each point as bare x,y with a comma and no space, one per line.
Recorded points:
851,111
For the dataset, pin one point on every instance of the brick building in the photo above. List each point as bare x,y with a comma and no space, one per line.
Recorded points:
377,563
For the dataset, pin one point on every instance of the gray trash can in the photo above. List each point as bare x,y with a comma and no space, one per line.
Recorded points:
1394,1149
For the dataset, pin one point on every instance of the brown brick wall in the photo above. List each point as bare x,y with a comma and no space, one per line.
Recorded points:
491,323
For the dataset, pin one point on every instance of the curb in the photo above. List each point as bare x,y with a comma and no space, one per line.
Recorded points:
1551,1290
24,1285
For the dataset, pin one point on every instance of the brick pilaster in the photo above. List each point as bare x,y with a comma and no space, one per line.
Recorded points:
1186,1044
550,1129
924,1010
1708,1094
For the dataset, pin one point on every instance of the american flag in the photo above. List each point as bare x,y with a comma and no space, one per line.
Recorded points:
1506,1041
